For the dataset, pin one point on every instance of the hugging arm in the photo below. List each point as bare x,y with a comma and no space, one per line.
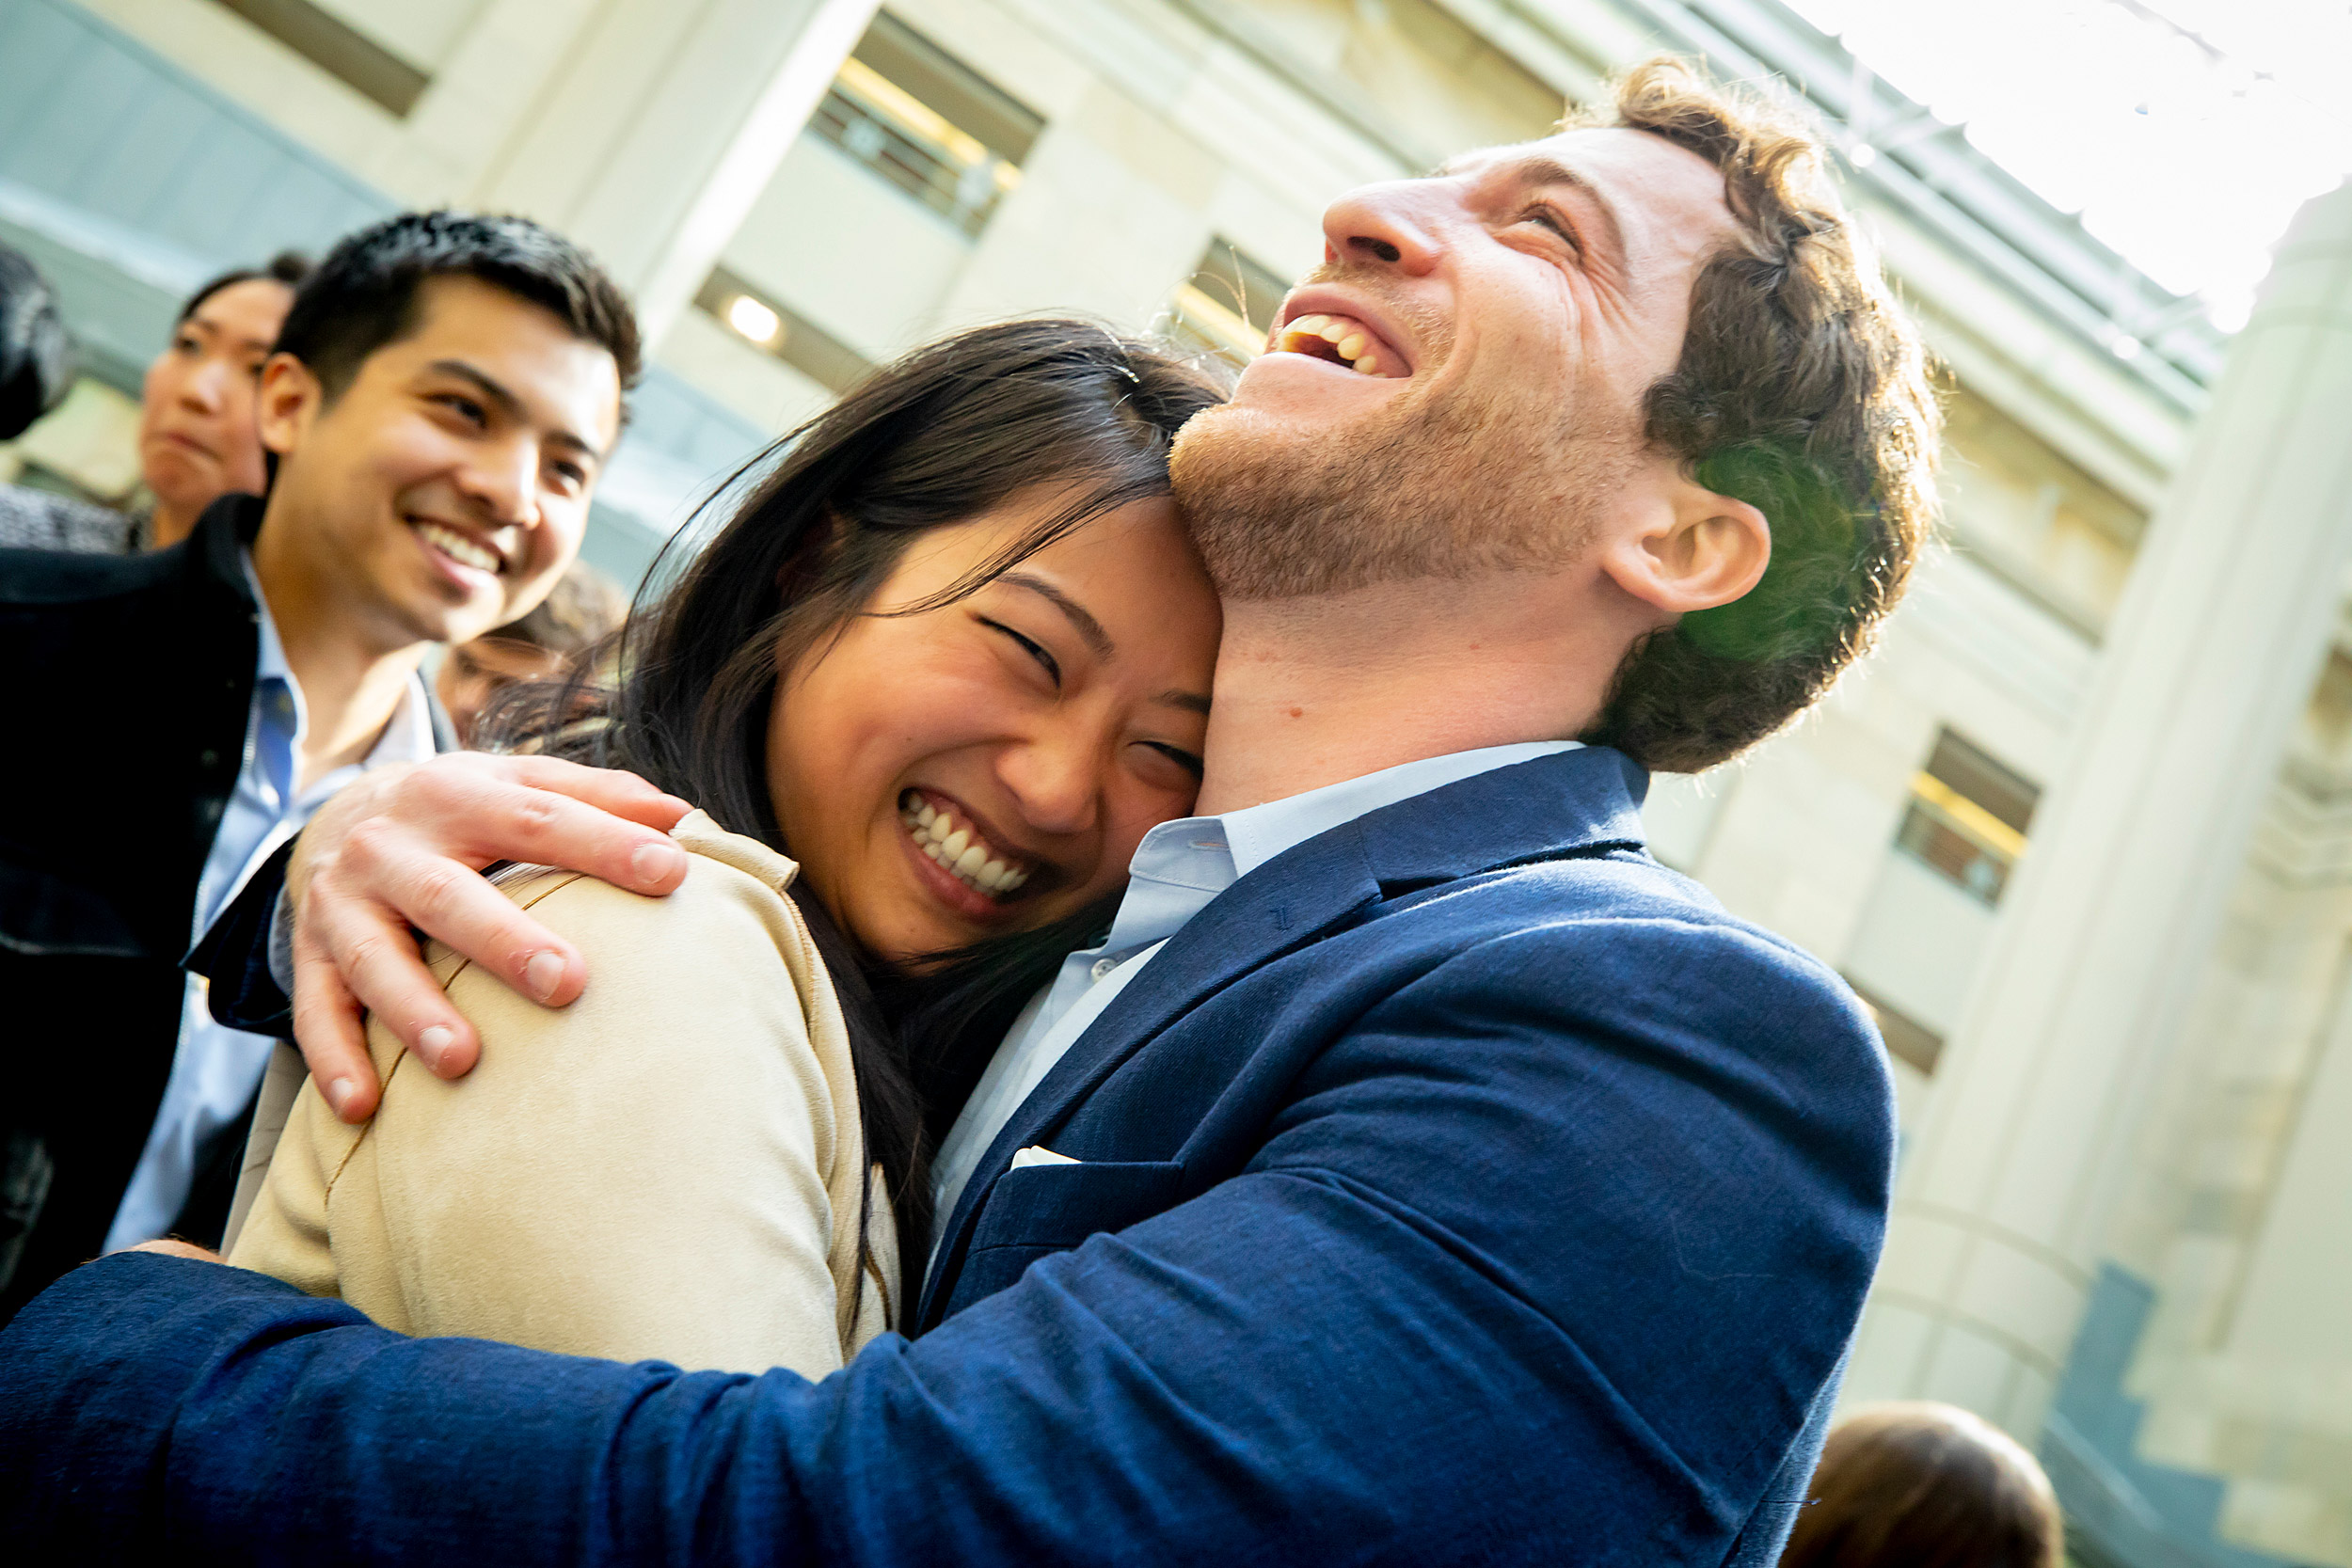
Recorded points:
1583,1302
402,847
654,1170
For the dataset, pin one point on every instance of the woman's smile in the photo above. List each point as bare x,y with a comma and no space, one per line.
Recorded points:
1039,719
955,858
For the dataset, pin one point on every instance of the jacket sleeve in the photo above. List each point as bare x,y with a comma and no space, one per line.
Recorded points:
234,954
1510,1279
643,1173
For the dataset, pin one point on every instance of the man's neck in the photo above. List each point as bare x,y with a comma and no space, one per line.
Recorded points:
1314,691
352,667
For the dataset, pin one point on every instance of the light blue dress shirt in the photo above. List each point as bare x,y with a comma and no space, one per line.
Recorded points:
216,1070
1177,869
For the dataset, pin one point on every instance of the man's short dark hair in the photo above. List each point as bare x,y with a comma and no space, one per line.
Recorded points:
289,267
364,294
36,356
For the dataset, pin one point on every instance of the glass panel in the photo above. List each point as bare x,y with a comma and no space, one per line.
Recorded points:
773,327
917,119
1944,845
2007,795
1227,304
1968,818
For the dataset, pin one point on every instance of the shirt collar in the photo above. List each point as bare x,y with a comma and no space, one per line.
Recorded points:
1181,866
409,737
1258,834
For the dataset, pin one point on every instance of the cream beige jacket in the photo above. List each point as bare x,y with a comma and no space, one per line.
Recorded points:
670,1167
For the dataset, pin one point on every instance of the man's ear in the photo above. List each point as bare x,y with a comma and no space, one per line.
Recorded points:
289,399
1693,549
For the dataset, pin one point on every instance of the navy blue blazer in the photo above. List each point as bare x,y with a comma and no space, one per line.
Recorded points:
1460,1187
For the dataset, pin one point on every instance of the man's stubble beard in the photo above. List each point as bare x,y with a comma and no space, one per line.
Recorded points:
1421,490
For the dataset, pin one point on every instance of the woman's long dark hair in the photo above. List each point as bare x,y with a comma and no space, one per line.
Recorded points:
936,439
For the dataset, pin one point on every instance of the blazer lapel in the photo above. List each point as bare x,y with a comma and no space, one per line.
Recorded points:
1288,900
1580,802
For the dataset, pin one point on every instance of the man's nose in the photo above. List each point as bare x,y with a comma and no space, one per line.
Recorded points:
1054,776
504,480
1383,225
206,387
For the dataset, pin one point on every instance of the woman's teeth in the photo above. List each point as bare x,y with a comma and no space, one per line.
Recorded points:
956,847
1348,341
458,547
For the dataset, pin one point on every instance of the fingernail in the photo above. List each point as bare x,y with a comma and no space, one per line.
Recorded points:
653,862
433,1042
543,974
339,1094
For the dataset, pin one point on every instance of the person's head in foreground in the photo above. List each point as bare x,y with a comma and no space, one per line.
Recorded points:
443,394
36,356
952,653
584,609
197,441
1638,389
1926,1486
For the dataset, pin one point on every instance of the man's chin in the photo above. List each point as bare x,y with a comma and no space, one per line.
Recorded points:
1274,429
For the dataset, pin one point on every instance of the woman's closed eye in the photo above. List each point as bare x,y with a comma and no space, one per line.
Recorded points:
1030,645
1188,761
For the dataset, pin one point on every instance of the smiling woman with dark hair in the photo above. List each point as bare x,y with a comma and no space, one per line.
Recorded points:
931,683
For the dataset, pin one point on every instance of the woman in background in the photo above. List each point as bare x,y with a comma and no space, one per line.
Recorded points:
197,439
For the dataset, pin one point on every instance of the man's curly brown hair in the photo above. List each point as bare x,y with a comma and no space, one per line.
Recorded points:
1801,390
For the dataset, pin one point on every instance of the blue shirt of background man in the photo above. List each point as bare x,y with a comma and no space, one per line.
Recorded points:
216,1070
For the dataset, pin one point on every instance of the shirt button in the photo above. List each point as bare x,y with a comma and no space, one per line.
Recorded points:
1102,967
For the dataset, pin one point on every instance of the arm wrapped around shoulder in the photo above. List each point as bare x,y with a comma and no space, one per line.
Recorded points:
668,1168
1550,1255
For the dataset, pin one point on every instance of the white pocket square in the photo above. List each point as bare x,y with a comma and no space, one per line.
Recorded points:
1038,1154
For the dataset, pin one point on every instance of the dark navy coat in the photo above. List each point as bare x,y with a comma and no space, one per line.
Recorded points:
1459,1187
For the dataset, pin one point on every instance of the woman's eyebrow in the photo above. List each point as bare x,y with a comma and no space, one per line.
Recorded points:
1080,620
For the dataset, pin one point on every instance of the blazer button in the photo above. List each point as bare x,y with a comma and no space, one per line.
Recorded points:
211,758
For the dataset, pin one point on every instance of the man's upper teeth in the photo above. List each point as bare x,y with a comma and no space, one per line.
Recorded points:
458,547
956,847
1348,339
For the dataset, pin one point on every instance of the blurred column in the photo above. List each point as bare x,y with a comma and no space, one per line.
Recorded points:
662,126
2002,1204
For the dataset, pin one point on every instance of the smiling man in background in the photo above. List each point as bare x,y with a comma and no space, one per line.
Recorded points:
442,392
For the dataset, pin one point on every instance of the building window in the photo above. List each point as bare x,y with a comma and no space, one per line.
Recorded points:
1968,818
772,328
337,48
1907,1039
920,119
1227,304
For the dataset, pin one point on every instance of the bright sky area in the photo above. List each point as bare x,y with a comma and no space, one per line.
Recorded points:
2186,132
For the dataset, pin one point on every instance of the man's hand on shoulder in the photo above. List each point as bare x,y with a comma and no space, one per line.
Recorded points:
403,847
